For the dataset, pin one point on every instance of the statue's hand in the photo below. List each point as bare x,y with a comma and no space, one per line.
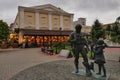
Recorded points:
75,40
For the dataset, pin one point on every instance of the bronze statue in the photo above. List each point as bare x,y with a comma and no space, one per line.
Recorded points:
99,56
78,43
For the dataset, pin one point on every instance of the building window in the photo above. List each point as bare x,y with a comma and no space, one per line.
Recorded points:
66,19
29,16
55,24
16,23
83,23
55,18
43,17
29,23
55,28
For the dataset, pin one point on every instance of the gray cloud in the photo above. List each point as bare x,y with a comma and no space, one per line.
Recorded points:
105,10
97,5
9,5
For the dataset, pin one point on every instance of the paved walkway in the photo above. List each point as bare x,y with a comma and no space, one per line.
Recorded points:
112,54
14,61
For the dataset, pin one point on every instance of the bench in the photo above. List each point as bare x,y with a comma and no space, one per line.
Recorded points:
47,50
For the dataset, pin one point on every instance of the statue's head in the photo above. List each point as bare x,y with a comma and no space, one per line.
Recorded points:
100,42
78,28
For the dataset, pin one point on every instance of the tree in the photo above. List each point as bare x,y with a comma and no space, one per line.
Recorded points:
115,32
108,31
108,28
4,30
97,30
118,19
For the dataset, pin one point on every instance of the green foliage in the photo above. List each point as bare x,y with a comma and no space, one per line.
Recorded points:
118,39
118,19
115,31
108,28
114,38
97,31
58,47
4,30
67,47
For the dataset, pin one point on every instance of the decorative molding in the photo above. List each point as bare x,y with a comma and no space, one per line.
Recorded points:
37,20
72,22
21,18
50,21
61,22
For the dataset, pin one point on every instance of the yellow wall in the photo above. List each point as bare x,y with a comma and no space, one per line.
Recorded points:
66,23
86,29
55,22
29,20
43,21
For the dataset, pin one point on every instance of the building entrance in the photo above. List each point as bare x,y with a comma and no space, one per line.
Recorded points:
37,41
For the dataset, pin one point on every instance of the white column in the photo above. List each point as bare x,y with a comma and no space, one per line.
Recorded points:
37,19
72,22
61,22
50,21
21,18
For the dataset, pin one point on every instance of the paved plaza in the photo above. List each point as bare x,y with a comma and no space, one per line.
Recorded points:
13,61
112,54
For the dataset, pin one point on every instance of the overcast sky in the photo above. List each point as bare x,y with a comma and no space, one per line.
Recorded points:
106,11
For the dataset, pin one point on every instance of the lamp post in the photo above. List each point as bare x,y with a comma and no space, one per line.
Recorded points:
56,47
119,59
62,45
60,34
50,42
60,40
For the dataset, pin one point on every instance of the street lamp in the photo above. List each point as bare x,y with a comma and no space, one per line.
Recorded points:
58,44
56,47
60,34
61,38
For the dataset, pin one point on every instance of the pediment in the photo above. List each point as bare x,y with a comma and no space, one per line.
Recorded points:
49,7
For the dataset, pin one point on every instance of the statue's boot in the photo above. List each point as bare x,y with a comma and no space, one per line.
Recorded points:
87,66
92,66
104,71
77,69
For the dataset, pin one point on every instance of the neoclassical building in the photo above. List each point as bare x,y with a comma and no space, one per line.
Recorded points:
44,23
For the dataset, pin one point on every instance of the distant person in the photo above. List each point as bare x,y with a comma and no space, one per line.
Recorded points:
26,43
99,56
79,44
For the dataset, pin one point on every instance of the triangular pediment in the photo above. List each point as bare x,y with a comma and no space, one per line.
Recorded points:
49,7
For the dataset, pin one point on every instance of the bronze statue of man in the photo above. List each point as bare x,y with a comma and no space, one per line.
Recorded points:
78,44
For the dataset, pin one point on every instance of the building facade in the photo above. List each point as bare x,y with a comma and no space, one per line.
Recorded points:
85,28
81,21
43,23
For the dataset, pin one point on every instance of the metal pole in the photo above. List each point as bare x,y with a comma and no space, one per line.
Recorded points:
60,34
